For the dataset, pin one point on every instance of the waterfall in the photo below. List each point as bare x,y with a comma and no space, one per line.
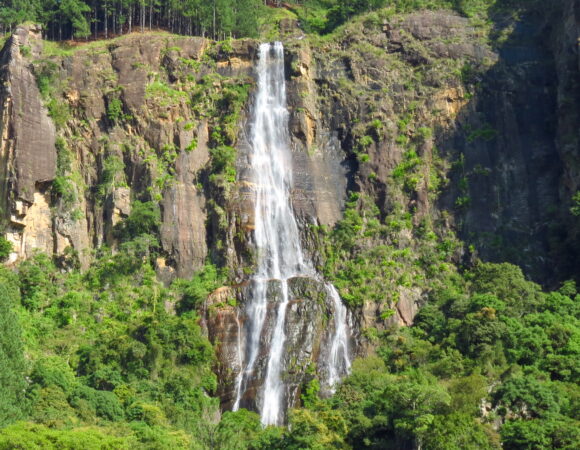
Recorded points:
339,361
277,241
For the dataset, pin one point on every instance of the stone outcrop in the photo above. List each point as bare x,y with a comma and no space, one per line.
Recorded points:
27,150
159,122
183,232
507,134
309,329
28,132
564,44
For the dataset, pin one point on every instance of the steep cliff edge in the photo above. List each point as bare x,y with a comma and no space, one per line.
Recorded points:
125,132
27,149
439,129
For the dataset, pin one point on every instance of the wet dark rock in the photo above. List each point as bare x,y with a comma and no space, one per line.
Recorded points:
308,329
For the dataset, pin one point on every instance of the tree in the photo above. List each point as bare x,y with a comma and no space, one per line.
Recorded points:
458,431
144,218
236,429
14,12
5,249
74,12
309,430
12,363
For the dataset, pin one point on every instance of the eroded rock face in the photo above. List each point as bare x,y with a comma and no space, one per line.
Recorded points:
29,139
564,46
309,330
513,168
31,227
183,232
27,150
155,125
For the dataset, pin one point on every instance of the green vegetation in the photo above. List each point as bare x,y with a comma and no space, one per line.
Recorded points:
5,248
115,367
112,176
164,94
68,185
51,88
220,19
102,350
12,381
115,110
488,346
323,16
110,357
145,218
485,133
575,208
80,19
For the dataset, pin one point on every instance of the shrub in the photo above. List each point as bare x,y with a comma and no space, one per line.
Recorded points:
5,249
12,363
223,162
145,218
113,167
115,110
29,435
59,111
575,208
25,50
196,290
64,188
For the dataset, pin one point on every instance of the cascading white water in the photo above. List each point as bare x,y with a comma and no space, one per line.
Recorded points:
276,232
277,240
339,361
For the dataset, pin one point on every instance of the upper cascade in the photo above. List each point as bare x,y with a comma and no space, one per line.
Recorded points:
279,250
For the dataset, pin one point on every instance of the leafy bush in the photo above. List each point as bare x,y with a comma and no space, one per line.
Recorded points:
112,175
28,435
115,110
59,111
144,218
63,187
25,50
196,290
575,208
5,248
223,160
36,276
104,403
46,72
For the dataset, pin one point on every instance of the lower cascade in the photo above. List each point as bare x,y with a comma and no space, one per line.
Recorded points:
262,336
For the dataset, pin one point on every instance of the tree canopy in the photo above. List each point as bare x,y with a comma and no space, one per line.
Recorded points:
78,19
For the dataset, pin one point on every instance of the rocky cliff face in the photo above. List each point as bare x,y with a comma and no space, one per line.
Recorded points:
27,150
444,124
309,328
510,135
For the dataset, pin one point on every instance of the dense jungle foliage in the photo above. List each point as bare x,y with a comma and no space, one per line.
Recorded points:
110,358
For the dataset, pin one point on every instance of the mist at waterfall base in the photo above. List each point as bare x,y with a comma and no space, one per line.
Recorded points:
280,254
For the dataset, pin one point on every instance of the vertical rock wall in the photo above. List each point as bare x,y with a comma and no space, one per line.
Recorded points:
27,150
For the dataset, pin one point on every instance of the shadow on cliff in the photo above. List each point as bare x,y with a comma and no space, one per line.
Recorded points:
509,194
